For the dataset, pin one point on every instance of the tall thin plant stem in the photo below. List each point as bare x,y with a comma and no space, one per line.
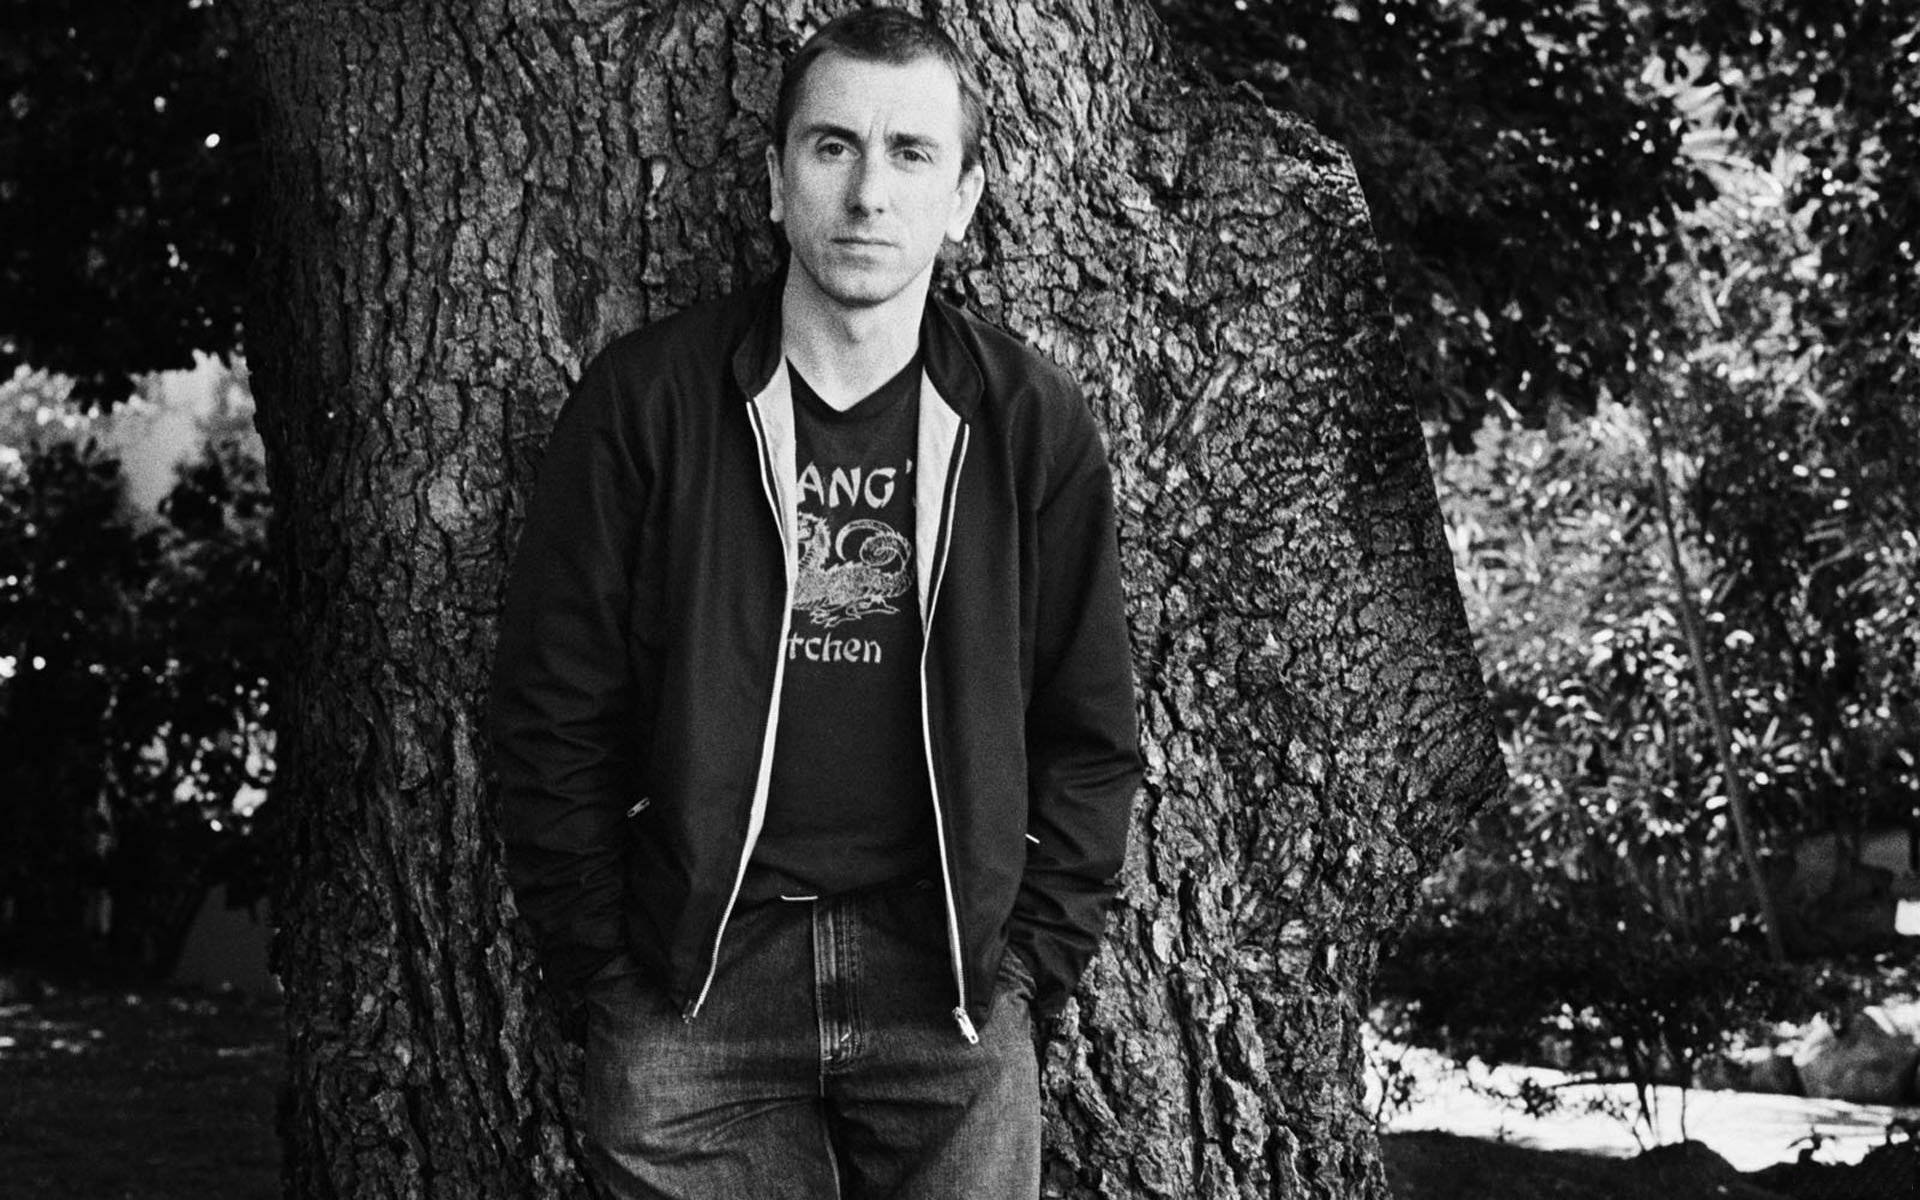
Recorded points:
1711,696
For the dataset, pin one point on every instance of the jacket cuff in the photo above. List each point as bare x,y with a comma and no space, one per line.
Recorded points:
568,968
1054,976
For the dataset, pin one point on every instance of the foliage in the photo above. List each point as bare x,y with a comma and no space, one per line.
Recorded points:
1811,554
1580,974
1836,84
1531,166
1763,336
1596,919
1800,487
124,154
1615,854
1560,564
134,663
1522,169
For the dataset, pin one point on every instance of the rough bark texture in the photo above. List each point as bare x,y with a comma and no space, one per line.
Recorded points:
468,199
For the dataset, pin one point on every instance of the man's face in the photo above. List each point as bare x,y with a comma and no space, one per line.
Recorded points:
870,183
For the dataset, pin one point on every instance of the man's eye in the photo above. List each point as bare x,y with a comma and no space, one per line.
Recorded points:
833,150
913,155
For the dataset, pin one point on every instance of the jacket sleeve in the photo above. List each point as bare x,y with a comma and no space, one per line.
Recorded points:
565,715
1083,749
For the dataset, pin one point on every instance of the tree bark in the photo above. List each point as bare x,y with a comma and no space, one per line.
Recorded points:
465,201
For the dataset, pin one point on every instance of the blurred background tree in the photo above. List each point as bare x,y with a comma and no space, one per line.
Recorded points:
136,651
126,184
136,647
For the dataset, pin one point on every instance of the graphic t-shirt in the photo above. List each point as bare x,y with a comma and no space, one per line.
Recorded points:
849,805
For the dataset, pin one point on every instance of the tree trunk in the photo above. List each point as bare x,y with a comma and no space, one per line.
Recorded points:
467,200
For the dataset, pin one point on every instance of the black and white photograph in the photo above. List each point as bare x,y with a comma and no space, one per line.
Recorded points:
960,600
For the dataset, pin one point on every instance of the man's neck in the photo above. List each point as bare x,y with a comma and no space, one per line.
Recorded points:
846,353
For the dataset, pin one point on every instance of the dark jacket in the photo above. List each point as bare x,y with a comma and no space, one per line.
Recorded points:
640,656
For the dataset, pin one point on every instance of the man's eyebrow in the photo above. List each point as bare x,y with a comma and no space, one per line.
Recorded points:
912,141
895,141
827,129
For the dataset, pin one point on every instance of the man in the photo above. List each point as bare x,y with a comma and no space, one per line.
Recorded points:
813,703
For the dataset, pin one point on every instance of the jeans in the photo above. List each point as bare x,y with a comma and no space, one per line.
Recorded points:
825,1064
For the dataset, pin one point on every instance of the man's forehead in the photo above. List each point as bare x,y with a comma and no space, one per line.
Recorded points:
919,96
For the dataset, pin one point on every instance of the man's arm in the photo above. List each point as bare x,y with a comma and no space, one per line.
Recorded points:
1083,750
566,719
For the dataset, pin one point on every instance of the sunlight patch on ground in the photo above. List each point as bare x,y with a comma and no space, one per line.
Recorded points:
1906,918
1750,1130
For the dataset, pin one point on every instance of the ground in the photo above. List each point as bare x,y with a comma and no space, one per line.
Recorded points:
1445,1166
137,1094
164,1094
1751,1131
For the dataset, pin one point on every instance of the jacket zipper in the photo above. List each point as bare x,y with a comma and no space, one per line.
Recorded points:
754,816
949,498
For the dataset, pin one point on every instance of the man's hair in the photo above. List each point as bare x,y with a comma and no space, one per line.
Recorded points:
886,35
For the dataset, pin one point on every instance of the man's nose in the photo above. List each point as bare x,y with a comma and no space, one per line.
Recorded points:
867,189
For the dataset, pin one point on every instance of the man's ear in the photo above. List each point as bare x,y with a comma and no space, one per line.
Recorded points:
776,201
966,198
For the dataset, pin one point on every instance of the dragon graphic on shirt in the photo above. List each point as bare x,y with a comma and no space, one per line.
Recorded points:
845,577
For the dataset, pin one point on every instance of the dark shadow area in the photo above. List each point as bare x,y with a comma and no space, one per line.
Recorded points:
136,1094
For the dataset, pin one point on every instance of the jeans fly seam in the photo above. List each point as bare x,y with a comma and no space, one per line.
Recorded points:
851,985
822,986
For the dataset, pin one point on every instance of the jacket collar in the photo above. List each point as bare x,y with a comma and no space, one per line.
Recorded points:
757,355
943,350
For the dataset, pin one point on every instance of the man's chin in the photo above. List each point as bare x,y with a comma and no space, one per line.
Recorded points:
845,300
858,290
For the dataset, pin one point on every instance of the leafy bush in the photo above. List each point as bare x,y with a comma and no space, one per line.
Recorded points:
135,659
1578,974
1602,918
1615,781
